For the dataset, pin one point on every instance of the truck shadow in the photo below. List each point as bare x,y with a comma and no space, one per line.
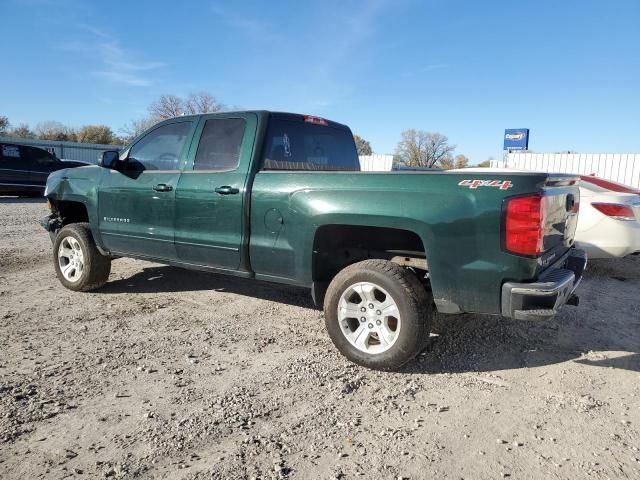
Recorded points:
607,320
167,279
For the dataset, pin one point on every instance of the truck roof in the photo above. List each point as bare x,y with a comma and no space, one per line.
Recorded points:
268,113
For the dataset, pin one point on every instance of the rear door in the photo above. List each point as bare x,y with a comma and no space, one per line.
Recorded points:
14,168
212,192
136,202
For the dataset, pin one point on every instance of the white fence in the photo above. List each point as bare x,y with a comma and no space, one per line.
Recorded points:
376,163
618,167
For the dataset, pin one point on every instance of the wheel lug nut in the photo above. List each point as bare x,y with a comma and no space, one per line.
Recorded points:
363,309
371,325
378,322
371,305
362,319
378,312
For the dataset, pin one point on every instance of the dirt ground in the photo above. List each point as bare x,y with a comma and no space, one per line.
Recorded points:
173,374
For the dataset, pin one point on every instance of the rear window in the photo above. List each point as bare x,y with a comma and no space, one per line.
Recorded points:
298,145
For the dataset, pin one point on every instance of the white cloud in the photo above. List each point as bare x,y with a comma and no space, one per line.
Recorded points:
116,63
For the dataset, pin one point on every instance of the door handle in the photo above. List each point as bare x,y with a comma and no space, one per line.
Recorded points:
163,187
226,190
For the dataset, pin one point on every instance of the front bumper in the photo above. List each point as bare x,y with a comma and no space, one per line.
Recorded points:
541,300
51,223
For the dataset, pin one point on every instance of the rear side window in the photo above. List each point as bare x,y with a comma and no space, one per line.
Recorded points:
298,145
219,147
11,157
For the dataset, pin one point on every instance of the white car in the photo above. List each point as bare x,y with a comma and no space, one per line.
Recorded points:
609,218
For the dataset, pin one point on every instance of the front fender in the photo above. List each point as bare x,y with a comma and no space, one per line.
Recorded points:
78,185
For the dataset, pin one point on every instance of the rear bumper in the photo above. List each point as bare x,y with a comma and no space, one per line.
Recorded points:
541,300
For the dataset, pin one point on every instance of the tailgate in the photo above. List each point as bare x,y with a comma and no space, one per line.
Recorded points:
561,200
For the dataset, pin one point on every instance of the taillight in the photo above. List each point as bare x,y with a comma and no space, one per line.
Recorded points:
524,226
615,210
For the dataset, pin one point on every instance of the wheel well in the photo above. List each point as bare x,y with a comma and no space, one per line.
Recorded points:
71,212
338,246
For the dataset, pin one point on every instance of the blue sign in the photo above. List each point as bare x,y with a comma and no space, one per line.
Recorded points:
516,139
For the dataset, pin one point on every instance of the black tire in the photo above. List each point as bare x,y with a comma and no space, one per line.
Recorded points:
97,267
413,303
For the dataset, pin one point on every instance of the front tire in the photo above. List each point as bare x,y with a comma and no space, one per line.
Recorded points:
377,314
78,263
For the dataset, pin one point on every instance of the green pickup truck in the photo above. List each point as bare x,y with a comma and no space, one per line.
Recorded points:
280,197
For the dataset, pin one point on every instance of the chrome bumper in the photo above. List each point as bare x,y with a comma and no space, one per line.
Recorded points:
541,300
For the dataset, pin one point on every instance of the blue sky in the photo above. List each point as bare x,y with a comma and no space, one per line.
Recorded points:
568,70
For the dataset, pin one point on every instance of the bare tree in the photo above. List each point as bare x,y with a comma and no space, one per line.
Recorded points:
418,148
201,102
461,161
23,131
447,163
51,130
136,127
167,106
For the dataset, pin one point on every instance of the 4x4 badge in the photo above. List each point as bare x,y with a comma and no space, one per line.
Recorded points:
473,184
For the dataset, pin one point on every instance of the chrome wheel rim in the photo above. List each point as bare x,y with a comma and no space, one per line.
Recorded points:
70,259
369,318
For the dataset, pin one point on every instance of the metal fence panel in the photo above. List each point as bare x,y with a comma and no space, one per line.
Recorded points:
376,163
622,168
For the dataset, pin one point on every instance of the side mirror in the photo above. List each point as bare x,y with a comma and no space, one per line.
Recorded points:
109,159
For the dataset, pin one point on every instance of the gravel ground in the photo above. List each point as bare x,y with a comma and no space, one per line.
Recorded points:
174,374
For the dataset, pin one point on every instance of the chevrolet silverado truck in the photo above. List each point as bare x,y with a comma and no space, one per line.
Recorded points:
280,197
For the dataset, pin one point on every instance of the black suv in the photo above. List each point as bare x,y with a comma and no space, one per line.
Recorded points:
24,170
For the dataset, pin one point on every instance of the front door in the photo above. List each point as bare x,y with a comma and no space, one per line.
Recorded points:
42,164
210,198
136,201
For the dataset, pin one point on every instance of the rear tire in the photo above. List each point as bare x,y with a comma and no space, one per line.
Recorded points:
78,263
377,314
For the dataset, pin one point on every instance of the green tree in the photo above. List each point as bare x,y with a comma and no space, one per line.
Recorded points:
418,148
96,134
362,146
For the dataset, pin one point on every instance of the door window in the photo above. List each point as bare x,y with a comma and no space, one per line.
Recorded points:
219,147
40,159
160,149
